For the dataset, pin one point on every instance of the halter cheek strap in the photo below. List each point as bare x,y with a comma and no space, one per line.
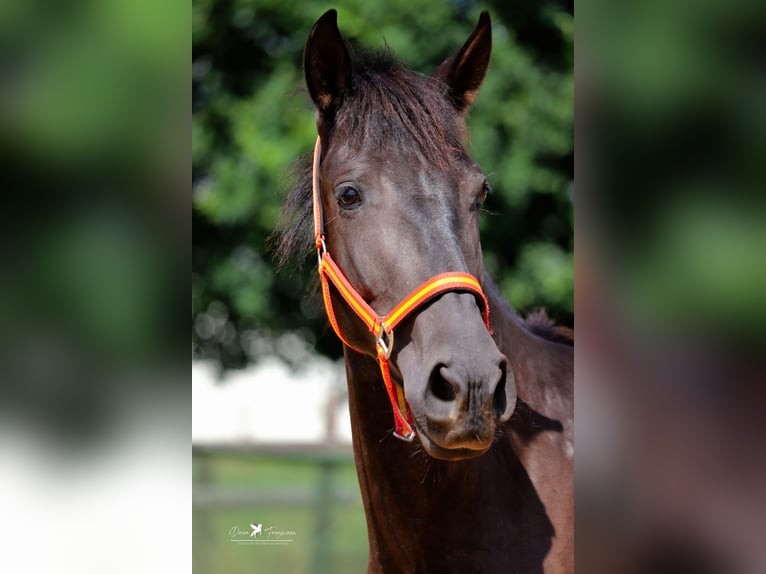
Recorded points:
382,327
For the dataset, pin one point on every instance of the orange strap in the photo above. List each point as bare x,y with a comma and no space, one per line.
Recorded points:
382,326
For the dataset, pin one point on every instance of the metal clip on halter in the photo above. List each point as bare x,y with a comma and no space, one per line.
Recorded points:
321,250
385,341
405,437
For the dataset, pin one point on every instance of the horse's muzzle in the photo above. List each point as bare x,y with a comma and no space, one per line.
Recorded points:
458,384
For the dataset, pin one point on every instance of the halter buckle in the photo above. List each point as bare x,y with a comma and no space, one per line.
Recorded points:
385,341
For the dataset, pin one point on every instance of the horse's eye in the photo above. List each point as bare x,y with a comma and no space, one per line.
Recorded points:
483,194
349,197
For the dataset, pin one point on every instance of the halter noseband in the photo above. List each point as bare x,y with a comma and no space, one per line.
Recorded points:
382,327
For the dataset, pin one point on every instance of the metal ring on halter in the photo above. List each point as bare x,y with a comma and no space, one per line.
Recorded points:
385,340
321,250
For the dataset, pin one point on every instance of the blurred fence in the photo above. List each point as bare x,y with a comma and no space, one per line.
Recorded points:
265,500
308,492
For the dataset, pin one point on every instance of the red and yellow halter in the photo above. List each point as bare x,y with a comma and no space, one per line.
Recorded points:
382,327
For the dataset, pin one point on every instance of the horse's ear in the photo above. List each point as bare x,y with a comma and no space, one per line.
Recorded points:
464,71
327,65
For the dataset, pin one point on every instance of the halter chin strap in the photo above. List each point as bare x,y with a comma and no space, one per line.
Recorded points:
382,327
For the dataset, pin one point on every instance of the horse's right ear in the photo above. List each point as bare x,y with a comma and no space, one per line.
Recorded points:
327,65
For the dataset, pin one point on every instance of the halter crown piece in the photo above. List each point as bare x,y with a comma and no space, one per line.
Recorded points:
382,327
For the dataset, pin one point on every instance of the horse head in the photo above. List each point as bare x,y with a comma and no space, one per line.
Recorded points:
401,199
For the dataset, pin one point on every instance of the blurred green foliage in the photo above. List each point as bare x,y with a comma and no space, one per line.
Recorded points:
252,119
676,170
94,147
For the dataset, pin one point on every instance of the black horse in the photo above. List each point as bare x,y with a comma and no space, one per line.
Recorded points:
488,487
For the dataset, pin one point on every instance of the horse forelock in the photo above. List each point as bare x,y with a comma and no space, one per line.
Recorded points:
391,108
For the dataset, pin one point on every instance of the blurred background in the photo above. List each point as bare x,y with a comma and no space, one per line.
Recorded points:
671,277
94,393
259,336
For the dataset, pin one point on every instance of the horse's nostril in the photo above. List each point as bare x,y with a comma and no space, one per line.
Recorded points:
499,397
499,401
440,387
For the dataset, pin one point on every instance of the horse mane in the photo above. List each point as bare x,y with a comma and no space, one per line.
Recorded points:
388,107
538,323
292,240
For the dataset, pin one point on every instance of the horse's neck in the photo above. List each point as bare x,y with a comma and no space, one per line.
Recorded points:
542,429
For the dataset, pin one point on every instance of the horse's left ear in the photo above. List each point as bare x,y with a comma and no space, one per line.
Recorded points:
464,71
